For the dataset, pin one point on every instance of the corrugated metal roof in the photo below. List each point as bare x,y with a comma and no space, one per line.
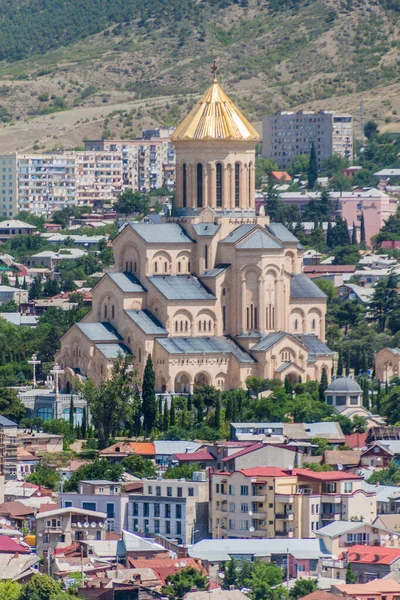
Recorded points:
146,322
99,332
113,350
339,528
181,287
206,228
238,233
259,240
204,345
313,343
302,287
127,282
269,340
284,366
169,447
281,232
163,233
215,271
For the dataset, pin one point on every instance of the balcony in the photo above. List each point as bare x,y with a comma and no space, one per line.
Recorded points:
258,516
333,498
288,534
334,564
285,516
258,498
284,498
325,516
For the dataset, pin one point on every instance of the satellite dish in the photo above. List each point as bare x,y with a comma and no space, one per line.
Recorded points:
183,563
79,524
334,557
8,523
221,575
269,431
101,524
86,524
339,467
250,513
93,524
395,537
251,529
2,521
177,565
290,467
387,537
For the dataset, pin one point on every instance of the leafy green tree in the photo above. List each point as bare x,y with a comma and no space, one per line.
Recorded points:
71,412
273,203
184,472
300,166
354,240
205,396
346,255
328,287
334,165
11,405
172,413
217,416
312,174
264,166
302,587
99,469
10,590
370,129
109,404
340,183
40,587
182,582
323,384
384,301
351,577
139,466
149,403
51,288
36,290
44,475
132,202
230,573
265,581
9,307
84,423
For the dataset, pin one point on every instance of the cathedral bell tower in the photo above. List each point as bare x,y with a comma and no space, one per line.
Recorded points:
215,156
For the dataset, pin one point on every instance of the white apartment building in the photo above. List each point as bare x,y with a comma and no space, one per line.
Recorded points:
289,134
174,508
99,176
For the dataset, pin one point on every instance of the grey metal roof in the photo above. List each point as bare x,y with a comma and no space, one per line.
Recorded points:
181,287
146,321
269,340
99,332
163,233
127,282
302,286
4,422
206,228
238,233
281,232
136,543
99,481
217,270
329,429
338,528
344,384
204,345
284,366
259,240
113,350
313,344
169,447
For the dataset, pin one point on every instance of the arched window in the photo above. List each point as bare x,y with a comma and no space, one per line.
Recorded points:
249,174
296,324
219,184
105,311
155,267
237,184
313,324
199,325
165,267
45,413
199,185
126,266
140,355
179,267
176,326
184,185
112,311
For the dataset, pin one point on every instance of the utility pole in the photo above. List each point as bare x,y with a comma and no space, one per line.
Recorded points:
362,120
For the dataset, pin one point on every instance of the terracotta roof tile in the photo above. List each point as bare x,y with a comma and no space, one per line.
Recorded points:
142,448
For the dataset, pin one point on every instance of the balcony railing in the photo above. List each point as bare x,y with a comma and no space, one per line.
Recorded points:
285,516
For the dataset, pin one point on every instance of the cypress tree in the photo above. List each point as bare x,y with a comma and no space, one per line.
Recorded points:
346,234
351,577
160,406
71,412
172,412
323,384
366,394
329,235
378,397
288,386
312,168
84,423
166,417
354,236
189,402
387,387
137,412
339,370
16,281
362,233
24,284
149,402
364,361
217,418
347,363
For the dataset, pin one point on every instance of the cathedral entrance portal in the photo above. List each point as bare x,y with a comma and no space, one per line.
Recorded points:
182,384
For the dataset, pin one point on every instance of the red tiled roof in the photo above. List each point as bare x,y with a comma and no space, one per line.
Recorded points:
15,509
142,448
166,566
8,545
252,448
377,555
264,472
356,440
194,456
324,475
46,507
281,175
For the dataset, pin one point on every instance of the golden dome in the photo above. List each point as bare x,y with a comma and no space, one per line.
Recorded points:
215,117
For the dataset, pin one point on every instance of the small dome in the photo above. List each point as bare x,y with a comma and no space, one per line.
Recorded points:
344,384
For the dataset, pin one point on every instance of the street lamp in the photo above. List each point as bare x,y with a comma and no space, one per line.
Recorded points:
34,361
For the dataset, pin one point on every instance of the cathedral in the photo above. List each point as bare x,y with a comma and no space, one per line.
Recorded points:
215,293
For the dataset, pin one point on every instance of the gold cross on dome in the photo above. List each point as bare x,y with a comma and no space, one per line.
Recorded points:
214,69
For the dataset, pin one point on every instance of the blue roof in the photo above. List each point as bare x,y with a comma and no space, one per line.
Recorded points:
206,228
146,322
259,240
99,332
313,344
281,232
113,350
204,345
215,271
181,287
163,233
269,340
127,282
302,286
238,233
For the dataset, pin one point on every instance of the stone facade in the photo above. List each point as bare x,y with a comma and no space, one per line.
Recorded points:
215,293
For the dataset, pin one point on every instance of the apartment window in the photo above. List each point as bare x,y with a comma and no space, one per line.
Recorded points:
150,489
169,491
312,509
219,184
190,491
178,511
179,492
317,508
270,506
231,489
156,526
167,511
61,538
110,510
67,504
348,487
244,525
231,524
167,527
146,526
156,510
135,524
244,490
146,510
231,507
237,184
158,490
199,185
135,509
89,506
178,528
184,185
